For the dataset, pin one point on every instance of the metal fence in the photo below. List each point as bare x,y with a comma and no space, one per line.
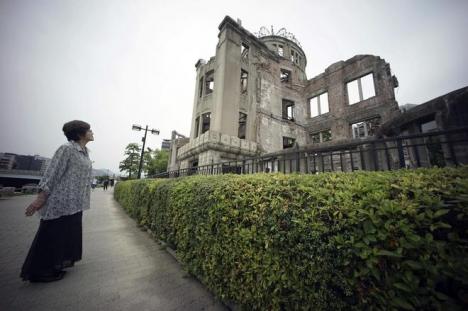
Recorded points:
442,148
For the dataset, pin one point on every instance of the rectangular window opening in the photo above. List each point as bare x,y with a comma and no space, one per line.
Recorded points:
295,57
366,128
285,75
242,125
314,106
206,118
209,82
319,105
326,135
324,103
321,136
429,126
280,50
353,92
244,51
361,89
288,142
243,80
367,85
315,138
288,110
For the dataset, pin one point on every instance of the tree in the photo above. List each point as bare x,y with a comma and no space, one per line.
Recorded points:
131,162
157,162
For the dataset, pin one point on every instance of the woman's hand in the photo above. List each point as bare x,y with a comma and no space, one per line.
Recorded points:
36,204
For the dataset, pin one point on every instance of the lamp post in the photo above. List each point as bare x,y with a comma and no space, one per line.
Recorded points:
139,128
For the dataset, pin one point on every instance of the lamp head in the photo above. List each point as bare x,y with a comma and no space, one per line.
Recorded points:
136,127
153,131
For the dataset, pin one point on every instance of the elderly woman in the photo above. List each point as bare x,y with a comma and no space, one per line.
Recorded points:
64,194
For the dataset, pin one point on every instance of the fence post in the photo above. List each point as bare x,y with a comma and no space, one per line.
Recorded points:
361,156
341,161
315,165
401,155
323,162
298,162
416,154
374,156
387,158
452,152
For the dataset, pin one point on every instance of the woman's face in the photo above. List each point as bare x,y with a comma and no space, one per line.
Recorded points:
89,136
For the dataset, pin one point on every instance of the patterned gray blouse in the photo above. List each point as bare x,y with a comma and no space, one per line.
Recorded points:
67,182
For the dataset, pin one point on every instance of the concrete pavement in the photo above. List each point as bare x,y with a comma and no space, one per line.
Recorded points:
122,267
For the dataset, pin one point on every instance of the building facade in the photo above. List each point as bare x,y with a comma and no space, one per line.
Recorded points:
254,98
7,161
12,161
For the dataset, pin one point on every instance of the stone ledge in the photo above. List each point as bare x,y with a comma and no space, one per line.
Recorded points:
216,141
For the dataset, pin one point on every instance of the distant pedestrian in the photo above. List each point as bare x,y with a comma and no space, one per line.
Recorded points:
64,194
111,183
106,183
94,183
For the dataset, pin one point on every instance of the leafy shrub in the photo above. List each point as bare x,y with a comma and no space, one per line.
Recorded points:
363,240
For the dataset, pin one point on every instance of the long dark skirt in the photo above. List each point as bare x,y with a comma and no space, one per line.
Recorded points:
57,245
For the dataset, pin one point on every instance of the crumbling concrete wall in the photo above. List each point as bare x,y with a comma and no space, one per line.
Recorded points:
239,52
342,114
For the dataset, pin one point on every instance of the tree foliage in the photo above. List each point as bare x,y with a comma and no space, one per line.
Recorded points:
131,162
156,161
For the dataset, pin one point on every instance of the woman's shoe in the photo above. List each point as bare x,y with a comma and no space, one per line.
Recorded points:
48,278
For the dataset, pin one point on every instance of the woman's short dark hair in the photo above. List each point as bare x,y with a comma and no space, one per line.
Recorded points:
74,129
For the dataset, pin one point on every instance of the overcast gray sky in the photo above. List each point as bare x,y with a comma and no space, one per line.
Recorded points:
113,63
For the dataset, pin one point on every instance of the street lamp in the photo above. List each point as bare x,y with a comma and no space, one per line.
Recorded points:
139,128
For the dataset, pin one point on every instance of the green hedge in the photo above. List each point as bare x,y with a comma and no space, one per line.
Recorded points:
363,240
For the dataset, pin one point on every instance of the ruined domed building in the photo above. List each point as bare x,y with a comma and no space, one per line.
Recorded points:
254,98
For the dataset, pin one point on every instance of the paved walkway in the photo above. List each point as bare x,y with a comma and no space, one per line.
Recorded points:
122,267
